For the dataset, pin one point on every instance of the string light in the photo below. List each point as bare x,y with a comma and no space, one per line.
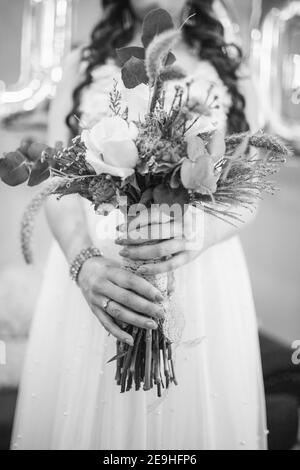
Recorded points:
276,60
46,39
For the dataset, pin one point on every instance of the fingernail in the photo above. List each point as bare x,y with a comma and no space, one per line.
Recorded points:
159,297
151,324
129,342
124,252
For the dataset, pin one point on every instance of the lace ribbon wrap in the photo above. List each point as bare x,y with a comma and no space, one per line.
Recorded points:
174,322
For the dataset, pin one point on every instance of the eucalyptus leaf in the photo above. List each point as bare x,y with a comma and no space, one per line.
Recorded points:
175,180
156,22
217,146
199,175
132,181
39,173
134,73
24,146
170,59
14,169
125,53
171,72
163,194
196,148
35,151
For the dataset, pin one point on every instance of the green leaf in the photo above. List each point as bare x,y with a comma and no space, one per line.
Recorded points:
163,194
117,356
170,59
171,72
217,146
199,175
35,151
39,173
14,169
24,146
125,53
147,197
175,180
134,73
132,181
196,148
156,22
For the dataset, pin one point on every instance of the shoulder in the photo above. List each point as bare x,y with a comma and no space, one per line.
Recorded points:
71,75
72,65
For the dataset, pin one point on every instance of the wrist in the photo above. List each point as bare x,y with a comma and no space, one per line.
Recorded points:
80,259
78,243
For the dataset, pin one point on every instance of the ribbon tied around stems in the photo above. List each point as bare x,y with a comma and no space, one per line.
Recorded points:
174,322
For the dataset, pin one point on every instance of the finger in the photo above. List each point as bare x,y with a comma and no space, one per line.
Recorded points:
132,301
171,282
153,215
121,313
135,283
167,266
159,250
152,233
111,327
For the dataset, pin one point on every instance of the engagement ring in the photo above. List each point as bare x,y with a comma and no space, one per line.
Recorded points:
105,304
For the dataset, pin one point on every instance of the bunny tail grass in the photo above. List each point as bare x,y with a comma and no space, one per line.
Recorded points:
29,217
261,140
158,50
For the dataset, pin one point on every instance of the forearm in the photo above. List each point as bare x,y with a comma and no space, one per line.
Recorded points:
68,224
216,230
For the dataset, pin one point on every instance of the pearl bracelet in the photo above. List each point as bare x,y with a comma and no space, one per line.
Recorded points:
80,259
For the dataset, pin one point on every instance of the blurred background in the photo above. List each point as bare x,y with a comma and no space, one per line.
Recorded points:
35,37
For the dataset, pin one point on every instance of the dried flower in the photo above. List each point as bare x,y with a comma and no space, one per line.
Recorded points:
103,190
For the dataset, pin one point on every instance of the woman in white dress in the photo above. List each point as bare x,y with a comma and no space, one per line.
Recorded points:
68,397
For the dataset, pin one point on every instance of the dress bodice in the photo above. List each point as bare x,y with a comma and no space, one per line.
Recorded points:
206,87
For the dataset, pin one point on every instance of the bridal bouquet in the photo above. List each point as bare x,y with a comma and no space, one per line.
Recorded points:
156,149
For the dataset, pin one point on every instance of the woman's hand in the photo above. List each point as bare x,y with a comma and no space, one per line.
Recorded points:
176,240
132,299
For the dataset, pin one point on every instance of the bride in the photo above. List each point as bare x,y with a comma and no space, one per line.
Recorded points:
68,397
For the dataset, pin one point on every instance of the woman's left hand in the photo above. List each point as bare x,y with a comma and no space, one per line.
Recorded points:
176,239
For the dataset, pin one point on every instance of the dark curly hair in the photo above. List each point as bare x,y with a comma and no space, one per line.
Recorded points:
204,31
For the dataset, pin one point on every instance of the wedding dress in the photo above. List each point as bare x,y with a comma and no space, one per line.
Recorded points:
69,398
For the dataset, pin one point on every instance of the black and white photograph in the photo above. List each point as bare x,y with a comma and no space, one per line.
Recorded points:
150,227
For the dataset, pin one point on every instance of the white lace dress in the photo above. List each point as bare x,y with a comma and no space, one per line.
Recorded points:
69,399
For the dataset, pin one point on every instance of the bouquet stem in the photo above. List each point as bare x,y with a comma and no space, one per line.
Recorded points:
149,362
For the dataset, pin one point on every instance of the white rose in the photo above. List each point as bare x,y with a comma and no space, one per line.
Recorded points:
137,100
111,148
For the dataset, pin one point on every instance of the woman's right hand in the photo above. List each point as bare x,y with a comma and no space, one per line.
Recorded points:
132,299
